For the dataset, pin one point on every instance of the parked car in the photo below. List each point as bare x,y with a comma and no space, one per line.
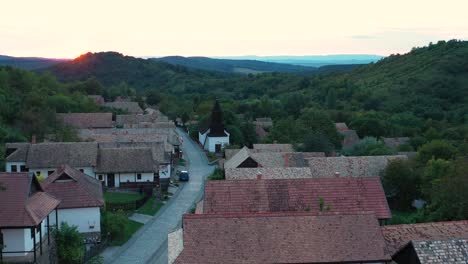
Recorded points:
184,176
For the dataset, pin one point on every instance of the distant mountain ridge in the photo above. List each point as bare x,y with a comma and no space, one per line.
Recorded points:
233,65
29,63
314,60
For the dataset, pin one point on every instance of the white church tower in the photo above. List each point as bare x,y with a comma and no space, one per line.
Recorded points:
215,137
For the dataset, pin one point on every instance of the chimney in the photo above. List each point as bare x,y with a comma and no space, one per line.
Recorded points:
33,139
259,176
337,174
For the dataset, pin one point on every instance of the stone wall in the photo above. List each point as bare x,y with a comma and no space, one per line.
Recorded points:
175,245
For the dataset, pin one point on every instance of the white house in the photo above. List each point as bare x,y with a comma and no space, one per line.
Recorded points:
80,198
215,137
27,211
134,164
44,158
127,167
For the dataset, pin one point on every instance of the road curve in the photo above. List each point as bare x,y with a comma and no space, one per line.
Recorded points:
149,244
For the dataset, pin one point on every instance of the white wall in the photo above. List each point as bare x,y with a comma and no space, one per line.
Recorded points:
132,177
20,239
83,218
212,141
18,166
29,242
14,241
164,171
44,171
202,137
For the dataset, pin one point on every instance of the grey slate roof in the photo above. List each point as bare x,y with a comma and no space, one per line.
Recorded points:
267,173
273,147
364,166
131,107
442,251
229,153
238,158
271,157
126,160
19,152
52,155
86,120
159,151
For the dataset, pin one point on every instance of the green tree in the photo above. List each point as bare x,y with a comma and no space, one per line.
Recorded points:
70,245
434,171
400,181
437,149
449,196
317,142
370,124
331,99
319,121
368,146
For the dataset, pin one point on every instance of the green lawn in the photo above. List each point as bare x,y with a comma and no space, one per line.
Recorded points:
130,228
151,207
117,197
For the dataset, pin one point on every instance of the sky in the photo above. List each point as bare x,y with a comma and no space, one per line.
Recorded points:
67,28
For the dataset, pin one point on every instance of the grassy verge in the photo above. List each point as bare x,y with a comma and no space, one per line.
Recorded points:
211,157
406,217
151,207
130,228
117,197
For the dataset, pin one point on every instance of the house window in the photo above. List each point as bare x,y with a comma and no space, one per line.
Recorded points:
14,168
50,172
23,168
32,232
38,173
82,170
100,177
139,176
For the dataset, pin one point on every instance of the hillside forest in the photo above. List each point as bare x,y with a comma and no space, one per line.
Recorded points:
422,95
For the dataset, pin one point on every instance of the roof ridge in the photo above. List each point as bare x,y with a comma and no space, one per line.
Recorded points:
274,214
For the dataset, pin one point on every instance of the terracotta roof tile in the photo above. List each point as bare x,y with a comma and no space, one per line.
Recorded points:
344,195
23,202
396,236
73,188
281,238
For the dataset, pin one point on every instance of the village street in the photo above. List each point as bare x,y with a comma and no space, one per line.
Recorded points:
149,244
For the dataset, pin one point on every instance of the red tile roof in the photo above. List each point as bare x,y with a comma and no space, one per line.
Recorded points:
345,195
397,236
74,188
281,238
86,120
23,202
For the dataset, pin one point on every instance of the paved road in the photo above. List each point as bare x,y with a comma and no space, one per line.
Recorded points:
149,244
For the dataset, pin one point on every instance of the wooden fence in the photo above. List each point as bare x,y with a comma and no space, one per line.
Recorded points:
129,206
94,251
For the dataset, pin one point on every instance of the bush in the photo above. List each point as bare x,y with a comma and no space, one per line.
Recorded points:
217,175
368,146
70,245
113,224
437,149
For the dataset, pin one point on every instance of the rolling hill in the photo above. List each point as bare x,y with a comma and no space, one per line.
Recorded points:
234,66
29,63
